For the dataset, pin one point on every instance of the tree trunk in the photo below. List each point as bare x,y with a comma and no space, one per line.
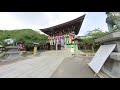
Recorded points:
92,48
85,47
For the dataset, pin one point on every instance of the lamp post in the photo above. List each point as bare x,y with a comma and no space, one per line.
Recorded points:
76,42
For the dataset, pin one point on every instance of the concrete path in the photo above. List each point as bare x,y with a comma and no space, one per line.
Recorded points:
37,67
74,67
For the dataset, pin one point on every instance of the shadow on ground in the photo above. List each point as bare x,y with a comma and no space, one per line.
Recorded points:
75,67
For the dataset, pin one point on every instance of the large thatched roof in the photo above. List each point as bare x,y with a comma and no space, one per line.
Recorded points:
73,25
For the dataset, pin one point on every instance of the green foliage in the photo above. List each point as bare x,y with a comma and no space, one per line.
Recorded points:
91,36
28,36
94,34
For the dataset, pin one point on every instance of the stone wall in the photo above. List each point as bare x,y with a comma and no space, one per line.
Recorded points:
112,65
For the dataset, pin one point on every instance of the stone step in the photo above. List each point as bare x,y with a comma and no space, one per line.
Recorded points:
105,74
115,56
109,37
112,38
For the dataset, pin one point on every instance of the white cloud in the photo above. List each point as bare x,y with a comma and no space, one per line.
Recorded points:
39,20
7,21
61,17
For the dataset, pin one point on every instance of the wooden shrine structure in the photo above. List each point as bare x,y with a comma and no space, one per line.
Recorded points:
67,28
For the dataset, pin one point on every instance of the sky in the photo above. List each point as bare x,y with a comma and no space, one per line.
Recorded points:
40,20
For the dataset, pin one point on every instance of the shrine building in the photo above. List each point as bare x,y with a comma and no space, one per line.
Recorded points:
61,36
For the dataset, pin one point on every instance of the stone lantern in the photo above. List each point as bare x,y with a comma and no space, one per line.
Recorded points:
76,42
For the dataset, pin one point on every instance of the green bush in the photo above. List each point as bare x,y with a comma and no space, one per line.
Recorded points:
28,36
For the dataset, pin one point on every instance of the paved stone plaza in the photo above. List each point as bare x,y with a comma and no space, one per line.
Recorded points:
74,67
50,64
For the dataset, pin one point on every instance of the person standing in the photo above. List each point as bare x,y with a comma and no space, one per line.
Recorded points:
72,50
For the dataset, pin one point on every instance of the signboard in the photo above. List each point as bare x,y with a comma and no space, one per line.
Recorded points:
101,56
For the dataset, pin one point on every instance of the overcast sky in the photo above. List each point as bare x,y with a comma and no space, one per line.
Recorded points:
39,20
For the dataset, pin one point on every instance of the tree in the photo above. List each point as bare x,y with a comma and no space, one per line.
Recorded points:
90,38
28,36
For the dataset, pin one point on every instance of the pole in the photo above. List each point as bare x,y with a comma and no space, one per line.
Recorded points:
35,50
56,46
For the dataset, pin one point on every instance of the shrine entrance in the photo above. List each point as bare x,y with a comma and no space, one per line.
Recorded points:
61,36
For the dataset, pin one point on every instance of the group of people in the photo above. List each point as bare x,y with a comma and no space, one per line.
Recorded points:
61,39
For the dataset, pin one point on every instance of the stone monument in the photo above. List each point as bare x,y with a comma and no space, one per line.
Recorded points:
12,51
111,67
112,64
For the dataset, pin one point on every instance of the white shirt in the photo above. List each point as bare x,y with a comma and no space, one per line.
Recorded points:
72,50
